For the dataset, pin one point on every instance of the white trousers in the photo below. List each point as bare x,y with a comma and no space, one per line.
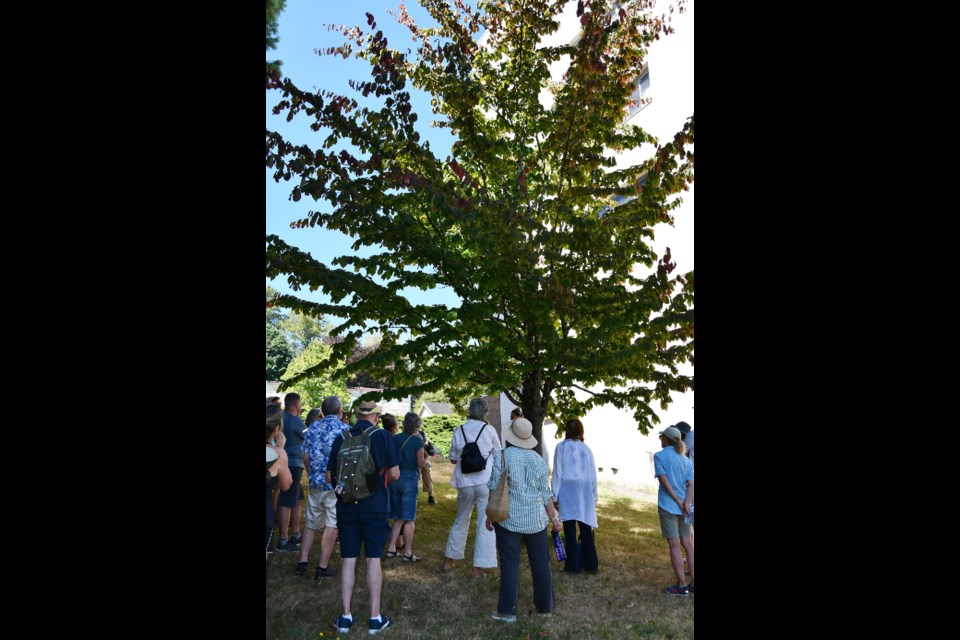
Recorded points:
485,544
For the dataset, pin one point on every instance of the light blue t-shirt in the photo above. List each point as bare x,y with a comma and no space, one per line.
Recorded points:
678,469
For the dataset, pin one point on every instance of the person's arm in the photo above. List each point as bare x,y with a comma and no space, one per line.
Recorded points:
421,460
557,475
689,501
331,474
593,476
455,446
670,492
390,453
283,470
548,497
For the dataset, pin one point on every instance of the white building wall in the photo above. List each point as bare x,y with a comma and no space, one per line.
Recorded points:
611,433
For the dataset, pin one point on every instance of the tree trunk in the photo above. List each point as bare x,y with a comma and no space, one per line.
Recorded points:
534,407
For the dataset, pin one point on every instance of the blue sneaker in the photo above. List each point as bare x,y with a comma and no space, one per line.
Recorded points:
341,624
677,590
376,626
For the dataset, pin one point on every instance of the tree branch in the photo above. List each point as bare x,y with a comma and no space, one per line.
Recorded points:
510,397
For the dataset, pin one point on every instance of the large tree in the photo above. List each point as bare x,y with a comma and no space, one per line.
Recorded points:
559,288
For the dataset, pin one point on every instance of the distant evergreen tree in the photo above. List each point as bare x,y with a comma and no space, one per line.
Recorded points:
274,8
279,354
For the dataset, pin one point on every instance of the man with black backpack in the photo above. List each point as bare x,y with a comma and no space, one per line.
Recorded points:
474,444
363,507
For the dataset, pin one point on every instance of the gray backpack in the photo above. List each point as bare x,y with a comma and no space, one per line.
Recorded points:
356,472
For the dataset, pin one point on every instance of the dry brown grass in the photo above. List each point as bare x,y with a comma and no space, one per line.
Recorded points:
624,600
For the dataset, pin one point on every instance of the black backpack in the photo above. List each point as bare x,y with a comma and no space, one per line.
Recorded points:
471,460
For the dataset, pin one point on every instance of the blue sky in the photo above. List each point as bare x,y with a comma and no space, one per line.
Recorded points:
302,30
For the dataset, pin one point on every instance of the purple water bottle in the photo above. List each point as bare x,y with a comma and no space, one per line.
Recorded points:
558,548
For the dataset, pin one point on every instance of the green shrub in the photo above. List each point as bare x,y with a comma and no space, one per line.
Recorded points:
440,429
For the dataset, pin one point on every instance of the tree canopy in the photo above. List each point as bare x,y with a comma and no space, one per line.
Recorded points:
318,385
278,353
301,329
560,288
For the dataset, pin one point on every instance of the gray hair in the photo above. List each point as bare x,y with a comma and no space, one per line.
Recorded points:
478,409
331,405
411,422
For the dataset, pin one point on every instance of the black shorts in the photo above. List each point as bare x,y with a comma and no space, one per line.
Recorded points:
289,497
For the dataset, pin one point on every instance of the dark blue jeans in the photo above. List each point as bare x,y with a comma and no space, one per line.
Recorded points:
538,553
581,553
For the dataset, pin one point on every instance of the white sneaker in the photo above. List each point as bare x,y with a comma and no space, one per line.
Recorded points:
503,617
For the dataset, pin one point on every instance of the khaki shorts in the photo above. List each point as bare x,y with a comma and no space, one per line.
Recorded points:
321,509
671,525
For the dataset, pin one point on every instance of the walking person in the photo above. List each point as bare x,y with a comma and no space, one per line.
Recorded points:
674,472
531,509
574,485
472,492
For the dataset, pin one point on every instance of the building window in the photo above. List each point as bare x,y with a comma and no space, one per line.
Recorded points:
640,97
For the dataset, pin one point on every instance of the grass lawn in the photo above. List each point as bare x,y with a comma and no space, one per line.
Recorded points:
624,600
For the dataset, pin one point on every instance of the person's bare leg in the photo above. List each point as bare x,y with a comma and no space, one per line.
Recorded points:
297,513
307,542
408,527
347,578
676,559
688,547
374,584
392,547
326,545
284,522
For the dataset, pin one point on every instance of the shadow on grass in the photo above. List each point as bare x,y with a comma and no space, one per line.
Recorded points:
624,600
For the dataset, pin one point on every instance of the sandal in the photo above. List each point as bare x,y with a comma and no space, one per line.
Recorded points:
391,554
412,558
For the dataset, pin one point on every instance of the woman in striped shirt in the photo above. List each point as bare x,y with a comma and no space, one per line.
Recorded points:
531,509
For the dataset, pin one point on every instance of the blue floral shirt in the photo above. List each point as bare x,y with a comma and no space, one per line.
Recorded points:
320,437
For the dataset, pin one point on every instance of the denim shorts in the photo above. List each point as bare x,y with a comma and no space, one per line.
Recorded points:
403,496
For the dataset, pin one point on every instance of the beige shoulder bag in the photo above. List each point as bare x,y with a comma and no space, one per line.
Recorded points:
498,508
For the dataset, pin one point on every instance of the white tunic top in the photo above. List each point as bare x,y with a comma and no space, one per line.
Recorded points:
574,482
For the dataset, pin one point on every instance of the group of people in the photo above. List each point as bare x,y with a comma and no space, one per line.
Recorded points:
399,459
538,503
